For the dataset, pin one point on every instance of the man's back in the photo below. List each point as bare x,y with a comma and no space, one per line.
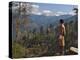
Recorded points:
61,29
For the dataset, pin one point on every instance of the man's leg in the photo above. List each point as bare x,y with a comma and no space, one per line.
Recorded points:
62,50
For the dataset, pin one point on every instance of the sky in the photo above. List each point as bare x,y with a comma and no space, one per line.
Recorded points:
48,9
51,9
56,7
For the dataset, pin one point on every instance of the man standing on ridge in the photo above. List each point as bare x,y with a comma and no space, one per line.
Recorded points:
61,34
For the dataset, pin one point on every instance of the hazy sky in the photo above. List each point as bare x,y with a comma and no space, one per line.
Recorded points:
50,9
55,7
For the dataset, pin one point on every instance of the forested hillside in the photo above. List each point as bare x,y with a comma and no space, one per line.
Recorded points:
44,43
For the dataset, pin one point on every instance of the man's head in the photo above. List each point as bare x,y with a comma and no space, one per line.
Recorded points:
61,21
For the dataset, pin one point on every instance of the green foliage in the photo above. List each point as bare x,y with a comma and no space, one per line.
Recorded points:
32,43
18,51
71,38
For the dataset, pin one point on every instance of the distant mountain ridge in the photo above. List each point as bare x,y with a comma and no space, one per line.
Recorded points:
46,20
41,20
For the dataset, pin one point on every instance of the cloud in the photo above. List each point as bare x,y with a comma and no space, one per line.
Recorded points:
36,13
61,13
72,13
65,13
35,6
52,13
35,10
47,13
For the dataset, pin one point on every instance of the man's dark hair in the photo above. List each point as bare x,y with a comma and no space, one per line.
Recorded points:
61,21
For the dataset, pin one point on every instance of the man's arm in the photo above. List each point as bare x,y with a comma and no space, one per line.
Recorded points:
64,31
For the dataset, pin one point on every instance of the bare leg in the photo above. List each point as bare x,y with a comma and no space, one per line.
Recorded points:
62,50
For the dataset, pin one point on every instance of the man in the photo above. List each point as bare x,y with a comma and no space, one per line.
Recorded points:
61,41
